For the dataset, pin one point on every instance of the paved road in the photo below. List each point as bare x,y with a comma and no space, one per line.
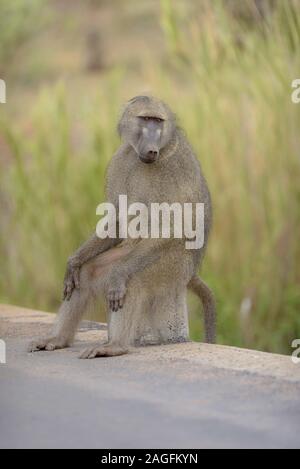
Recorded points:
155,398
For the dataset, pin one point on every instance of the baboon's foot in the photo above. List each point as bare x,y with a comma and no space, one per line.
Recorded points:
103,350
47,343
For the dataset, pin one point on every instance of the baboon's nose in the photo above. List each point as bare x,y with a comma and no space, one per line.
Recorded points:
149,156
152,154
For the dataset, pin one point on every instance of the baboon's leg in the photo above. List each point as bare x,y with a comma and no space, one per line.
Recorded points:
123,325
147,318
71,311
68,317
168,316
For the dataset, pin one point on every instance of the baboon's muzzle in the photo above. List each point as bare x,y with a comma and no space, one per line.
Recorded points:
150,142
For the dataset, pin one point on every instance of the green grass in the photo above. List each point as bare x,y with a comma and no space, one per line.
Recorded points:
229,81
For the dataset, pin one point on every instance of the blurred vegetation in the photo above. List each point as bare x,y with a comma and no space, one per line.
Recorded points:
18,19
227,72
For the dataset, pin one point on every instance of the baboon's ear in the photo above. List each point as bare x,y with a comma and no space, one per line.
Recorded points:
120,127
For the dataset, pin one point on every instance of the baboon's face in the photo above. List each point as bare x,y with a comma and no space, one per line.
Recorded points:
148,133
147,125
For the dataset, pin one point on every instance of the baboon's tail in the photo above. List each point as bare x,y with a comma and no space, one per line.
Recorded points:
209,306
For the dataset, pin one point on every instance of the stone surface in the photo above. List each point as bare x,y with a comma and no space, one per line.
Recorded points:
188,395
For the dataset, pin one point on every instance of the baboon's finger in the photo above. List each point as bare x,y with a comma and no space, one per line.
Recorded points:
76,278
69,290
50,347
85,353
113,301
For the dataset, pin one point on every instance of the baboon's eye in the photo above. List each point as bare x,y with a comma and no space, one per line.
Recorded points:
148,118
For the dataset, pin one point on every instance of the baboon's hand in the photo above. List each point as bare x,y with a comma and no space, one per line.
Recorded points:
71,279
116,293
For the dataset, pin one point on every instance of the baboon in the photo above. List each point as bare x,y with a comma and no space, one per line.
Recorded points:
144,280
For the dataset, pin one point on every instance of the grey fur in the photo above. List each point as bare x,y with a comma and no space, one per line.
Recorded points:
145,281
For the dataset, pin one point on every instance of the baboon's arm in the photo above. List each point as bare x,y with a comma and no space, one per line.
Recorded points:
145,253
92,248
142,256
87,251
